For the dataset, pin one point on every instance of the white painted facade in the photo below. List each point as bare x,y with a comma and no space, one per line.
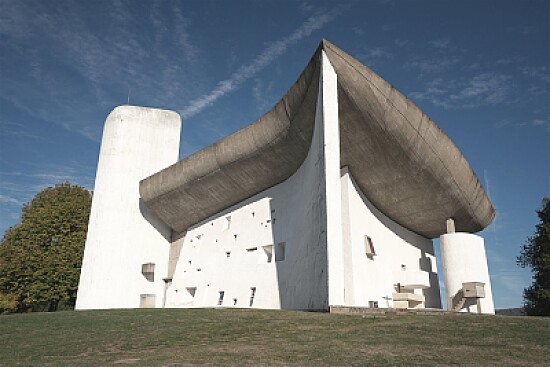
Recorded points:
464,260
310,242
122,234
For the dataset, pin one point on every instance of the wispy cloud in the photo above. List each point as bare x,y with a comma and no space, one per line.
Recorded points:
542,72
267,56
433,65
371,56
402,43
441,43
262,94
81,64
481,89
9,200
538,122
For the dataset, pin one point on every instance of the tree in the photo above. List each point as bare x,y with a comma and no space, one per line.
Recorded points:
535,253
40,258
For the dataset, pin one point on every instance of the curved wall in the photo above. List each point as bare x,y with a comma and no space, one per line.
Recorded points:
464,260
122,233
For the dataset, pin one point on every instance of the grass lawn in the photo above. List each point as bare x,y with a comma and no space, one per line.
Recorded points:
233,337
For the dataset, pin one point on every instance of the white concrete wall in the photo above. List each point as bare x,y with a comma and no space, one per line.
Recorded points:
327,114
374,278
464,260
293,212
122,234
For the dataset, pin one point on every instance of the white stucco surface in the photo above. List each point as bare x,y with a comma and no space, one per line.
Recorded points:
327,114
122,234
401,256
227,252
464,260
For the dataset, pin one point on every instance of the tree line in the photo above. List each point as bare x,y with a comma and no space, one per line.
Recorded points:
40,258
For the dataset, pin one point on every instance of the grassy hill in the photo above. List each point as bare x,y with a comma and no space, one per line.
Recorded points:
233,337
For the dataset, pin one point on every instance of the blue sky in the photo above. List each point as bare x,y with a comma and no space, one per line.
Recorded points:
479,69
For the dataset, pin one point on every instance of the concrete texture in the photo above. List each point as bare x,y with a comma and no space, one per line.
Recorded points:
404,164
122,233
322,218
239,249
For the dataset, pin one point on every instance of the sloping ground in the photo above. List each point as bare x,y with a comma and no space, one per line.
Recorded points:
269,338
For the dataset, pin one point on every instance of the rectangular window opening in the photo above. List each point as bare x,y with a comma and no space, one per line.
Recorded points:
220,298
148,271
252,249
267,253
280,251
373,304
228,254
147,301
369,247
226,223
252,295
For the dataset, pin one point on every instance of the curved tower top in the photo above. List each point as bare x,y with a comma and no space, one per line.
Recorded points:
404,164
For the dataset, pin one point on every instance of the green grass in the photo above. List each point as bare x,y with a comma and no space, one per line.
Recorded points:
234,337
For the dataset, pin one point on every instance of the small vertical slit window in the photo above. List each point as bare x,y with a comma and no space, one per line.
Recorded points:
226,223
228,254
280,251
369,247
252,295
220,298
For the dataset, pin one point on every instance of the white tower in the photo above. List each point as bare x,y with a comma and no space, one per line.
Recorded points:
126,253
465,272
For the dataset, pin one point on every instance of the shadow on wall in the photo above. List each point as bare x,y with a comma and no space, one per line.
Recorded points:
432,294
300,256
151,217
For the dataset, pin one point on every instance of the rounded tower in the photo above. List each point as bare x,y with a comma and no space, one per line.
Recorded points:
127,247
465,272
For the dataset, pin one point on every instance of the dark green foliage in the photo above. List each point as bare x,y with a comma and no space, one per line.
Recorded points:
536,255
40,258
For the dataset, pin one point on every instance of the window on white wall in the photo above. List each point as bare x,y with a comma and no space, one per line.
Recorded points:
369,247
220,298
252,295
191,291
228,254
280,251
148,271
226,223
267,254
147,301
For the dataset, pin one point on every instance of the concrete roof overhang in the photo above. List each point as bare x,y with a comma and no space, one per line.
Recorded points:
404,164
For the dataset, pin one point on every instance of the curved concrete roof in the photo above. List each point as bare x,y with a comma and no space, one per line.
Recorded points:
404,164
